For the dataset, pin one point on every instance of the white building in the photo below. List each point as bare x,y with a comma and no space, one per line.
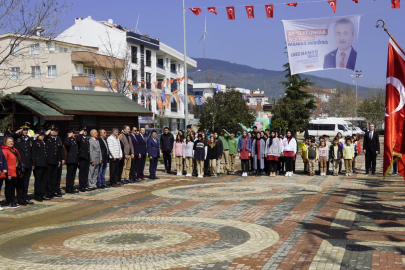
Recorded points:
208,90
149,61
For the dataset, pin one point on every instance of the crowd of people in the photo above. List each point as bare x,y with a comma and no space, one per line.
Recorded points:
126,151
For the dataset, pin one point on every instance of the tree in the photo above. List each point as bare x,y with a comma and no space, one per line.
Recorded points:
296,107
342,102
225,109
25,19
373,107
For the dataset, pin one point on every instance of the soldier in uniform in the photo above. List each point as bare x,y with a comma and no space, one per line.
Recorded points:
23,143
84,159
40,165
59,178
72,159
54,147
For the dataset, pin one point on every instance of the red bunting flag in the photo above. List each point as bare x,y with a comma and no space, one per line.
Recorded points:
395,3
231,13
213,10
250,11
269,11
332,3
292,4
356,1
196,11
394,136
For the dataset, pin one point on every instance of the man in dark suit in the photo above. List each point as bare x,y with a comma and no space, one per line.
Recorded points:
344,56
102,139
154,154
137,155
371,148
84,159
55,157
142,152
72,159
23,143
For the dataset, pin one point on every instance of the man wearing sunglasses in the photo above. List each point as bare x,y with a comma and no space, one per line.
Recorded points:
134,166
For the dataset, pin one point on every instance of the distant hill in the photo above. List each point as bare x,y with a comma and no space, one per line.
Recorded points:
252,78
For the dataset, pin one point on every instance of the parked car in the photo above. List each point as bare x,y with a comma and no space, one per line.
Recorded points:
328,126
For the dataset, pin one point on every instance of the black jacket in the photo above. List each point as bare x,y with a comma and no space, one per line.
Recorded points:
371,144
332,152
220,148
39,153
213,152
104,150
167,142
72,153
24,147
55,149
84,146
142,145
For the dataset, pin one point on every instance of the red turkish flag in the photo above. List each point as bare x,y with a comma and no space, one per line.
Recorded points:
394,135
269,10
231,13
356,1
395,3
196,11
213,10
332,3
250,11
292,4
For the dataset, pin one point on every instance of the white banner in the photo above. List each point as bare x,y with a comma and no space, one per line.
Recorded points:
325,43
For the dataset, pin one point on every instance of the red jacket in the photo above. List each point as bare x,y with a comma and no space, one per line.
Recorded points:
11,160
358,147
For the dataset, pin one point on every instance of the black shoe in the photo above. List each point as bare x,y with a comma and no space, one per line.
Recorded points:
29,202
61,192
39,199
82,190
151,178
156,178
12,205
45,198
131,181
106,186
367,172
57,195
373,173
22,203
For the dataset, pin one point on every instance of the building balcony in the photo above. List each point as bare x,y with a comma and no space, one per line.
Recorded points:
173,71
160,69
88,81
95,60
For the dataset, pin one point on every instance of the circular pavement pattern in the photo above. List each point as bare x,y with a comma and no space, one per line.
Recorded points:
237,191
133,243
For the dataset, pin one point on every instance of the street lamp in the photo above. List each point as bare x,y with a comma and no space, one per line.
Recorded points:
357,75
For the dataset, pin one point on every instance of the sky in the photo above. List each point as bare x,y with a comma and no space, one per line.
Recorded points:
257,42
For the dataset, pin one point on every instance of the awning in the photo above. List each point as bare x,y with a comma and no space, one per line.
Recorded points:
38,108
75,102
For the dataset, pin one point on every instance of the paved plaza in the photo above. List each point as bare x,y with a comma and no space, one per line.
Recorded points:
229,222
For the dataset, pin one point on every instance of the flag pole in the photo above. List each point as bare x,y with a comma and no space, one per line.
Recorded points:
185,69
381,24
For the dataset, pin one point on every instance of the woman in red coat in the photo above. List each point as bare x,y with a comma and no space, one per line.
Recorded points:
14,163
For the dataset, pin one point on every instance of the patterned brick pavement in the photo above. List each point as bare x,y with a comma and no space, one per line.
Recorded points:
228,222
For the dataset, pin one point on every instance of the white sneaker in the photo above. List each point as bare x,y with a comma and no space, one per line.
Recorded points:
1,208
287,174
200,176
244,174
291,173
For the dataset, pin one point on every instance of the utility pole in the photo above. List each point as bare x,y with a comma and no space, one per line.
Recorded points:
357,75
185,68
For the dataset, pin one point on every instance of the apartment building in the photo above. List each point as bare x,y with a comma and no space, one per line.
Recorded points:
41,62
146,60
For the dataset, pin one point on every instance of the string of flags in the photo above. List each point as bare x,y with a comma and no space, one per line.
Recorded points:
250,10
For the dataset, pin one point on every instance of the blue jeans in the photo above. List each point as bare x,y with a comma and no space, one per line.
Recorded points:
101,174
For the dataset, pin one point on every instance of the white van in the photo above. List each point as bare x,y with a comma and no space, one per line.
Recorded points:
329,126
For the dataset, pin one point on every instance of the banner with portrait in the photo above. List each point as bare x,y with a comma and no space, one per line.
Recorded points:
324,43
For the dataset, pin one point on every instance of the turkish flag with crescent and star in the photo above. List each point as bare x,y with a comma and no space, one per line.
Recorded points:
395,3
213,10
231,13
269,10
332,3
356,1
250,11
394,134
196,11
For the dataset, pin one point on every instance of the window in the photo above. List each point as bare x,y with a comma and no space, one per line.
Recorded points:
341,127
90,72
51,47
34,48
173,67
134,54
15,49
199,93
63,49
148,80
148,58
15,73
330,127
134,76
51,71
109,74
36,72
